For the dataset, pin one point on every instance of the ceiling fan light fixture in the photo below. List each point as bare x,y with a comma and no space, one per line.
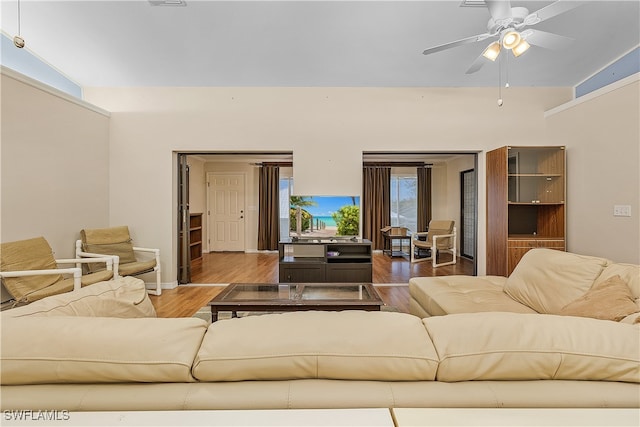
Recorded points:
492,51
511,39
520,48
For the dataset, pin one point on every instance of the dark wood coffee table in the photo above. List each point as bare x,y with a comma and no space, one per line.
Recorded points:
279,297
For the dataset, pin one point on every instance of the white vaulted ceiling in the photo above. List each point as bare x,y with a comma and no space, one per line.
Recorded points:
306,43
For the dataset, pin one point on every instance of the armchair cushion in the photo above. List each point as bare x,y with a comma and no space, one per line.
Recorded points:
108,241
60,287
30,254
136,267
98,276
437,227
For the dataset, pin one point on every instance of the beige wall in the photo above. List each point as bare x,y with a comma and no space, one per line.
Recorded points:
55,166
55,160
602,137
73,152
153,123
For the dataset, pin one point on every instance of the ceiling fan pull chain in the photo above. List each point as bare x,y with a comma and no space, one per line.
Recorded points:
18,41
500,102
506,67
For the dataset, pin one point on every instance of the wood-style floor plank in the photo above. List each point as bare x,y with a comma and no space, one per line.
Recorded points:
220,268
228,267
183,301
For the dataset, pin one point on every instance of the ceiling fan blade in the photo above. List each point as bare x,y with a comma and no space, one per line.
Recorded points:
550,11
477,64
499,9
546,40
456,43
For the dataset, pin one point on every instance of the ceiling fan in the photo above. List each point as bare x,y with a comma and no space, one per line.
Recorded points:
508,25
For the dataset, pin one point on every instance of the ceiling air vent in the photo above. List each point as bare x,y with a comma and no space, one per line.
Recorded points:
473,3
168,2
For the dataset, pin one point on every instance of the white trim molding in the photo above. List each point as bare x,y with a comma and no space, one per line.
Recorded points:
596,93
51,90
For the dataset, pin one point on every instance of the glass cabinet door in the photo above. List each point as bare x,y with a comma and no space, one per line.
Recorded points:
535,175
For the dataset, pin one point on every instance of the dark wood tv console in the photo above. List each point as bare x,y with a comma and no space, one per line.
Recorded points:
325,260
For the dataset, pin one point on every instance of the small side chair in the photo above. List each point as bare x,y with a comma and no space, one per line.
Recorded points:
116,242
30,272
440,237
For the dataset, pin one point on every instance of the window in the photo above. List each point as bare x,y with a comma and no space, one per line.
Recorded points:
404,199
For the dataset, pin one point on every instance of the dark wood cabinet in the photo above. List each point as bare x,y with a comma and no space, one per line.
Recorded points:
301,272
525,204
333,261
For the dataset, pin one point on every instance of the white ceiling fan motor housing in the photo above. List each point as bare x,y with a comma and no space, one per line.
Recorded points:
518,15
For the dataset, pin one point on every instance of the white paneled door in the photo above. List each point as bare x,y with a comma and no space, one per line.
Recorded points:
226,212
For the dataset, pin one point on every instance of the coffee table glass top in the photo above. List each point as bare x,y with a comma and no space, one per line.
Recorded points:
299,292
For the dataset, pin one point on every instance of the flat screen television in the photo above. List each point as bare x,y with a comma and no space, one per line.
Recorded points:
324,216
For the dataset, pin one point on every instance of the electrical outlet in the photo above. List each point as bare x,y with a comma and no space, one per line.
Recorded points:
621,210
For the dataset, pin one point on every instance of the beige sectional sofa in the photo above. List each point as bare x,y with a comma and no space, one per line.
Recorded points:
349,359
545,281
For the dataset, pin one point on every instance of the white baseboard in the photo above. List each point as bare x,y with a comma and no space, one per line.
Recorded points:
170,285
207,284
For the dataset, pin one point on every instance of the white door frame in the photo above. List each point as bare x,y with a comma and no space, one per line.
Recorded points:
244,191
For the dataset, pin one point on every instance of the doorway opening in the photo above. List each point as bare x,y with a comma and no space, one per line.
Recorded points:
445,185
218,202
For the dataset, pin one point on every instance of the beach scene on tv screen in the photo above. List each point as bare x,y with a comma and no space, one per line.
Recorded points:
324,216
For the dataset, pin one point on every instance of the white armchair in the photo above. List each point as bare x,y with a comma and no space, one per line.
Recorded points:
116,242
29,271
441,237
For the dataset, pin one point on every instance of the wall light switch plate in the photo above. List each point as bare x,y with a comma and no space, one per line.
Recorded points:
621,210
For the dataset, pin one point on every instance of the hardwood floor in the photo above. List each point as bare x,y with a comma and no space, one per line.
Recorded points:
227,267
184,301
214,270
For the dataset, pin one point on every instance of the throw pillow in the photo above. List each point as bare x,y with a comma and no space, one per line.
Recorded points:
609,300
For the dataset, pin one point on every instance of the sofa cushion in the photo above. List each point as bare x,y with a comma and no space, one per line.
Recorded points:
350,345
463,294
546,279
69,349
510,346
632,319
629,273
607,300
125,297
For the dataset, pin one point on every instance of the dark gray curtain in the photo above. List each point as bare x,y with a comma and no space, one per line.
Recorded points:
268,208
424,198
376,203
